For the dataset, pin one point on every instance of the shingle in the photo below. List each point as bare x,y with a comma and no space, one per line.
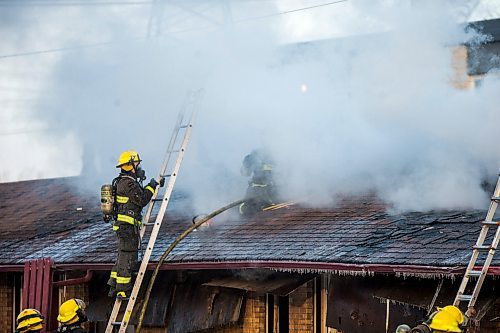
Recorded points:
356,230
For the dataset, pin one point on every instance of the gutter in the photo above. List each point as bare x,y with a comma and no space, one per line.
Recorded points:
290,266
73,282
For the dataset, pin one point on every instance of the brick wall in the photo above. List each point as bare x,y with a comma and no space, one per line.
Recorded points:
80,291
254,320
459,78
6,302
301,309
254,317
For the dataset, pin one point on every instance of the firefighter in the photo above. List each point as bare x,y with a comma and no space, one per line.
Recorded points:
261,191
71,316
447,319
29,320
130,198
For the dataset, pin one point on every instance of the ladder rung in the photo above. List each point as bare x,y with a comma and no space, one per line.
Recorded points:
474,273
464,297
484,248
176,150
491,223
164,198
497,199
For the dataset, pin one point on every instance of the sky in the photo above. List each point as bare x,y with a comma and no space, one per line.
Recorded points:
82,81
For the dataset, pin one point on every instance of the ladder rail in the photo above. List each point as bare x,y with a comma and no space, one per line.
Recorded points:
193,100
471,264
475,254
164,166
173,138
154,234
484,270
149,248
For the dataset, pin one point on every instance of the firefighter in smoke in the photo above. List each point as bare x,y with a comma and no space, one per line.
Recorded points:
130,198
447,319
29,320
71,316
261,191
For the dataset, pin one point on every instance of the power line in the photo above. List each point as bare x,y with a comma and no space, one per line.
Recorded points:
72,48
290,11
61,49
24,131
63,4
19,3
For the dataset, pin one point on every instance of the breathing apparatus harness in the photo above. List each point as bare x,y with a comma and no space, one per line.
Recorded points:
109,204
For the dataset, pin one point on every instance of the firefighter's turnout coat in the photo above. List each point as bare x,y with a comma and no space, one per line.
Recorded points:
130,198
75,328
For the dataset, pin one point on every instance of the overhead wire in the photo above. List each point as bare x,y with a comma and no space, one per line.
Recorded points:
41,3
70,3
290,11
72,48
60,49
24,131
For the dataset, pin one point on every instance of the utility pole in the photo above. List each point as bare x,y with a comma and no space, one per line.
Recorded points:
155,18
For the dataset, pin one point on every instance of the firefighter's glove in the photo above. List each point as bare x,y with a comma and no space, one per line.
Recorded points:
153,183
162,181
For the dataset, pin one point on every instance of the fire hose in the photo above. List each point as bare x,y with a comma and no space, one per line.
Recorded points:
170,248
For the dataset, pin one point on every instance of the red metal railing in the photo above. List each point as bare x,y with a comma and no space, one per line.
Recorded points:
37,287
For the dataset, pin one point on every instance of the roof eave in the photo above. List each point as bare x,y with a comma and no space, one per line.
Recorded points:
291,266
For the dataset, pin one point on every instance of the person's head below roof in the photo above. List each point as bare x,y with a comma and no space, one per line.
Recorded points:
72,312
447,319
29,320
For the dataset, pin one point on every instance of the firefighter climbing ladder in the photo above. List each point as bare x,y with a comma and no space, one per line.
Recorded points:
480,272
176,147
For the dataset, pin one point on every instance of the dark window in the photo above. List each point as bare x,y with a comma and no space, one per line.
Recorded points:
283,315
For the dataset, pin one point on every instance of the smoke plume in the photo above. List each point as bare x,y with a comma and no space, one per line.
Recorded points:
373,110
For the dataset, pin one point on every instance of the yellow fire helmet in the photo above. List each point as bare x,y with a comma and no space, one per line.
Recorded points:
447,319
126,159
29,320
71,311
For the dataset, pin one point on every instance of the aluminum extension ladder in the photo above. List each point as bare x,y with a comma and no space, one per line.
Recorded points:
480,272
176,147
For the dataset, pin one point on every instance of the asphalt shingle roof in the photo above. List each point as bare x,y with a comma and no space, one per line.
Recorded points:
51,218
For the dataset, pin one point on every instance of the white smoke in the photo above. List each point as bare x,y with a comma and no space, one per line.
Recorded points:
347,116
